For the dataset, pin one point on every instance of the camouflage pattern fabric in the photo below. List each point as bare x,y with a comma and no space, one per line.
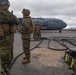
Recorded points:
37,32
14,22
5,44
26,36
27,25
5,55
7,20
26,31
26,43
12,42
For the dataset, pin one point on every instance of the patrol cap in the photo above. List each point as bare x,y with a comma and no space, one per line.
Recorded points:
4,2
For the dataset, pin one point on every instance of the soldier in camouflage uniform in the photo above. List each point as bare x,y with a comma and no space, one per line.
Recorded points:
39,32
14,25
8,22
26,29
35,33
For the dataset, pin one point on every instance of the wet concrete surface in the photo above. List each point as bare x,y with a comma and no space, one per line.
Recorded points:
43,60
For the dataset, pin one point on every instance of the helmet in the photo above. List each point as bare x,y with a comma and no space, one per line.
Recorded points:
4,2
28,12
24,10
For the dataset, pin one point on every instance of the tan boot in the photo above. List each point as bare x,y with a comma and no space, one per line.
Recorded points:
24,57
25,61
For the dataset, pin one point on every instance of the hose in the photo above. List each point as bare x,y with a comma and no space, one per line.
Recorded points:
22,53
54,39
1,70
56,48
70,41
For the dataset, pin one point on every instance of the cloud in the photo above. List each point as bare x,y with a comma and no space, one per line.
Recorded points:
63,9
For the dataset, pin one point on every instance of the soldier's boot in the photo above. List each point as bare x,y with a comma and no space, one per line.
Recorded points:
26,60
24,57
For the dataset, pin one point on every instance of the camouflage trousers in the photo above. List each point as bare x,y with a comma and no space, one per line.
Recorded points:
5,55
37,35
26,43
12,42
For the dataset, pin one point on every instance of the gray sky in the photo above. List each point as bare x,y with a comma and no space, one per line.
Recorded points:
61,9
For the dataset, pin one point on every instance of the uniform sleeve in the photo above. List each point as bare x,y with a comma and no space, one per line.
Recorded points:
33,25
23,23
1,17
16,20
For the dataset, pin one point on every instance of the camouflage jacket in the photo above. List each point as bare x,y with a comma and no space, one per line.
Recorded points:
27,25
12,19
8,18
